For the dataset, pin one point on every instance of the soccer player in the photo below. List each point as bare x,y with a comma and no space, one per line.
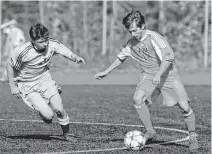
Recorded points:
160,75
30,79
15,37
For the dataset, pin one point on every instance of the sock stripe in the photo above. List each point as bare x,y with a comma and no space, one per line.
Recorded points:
189,113
64,121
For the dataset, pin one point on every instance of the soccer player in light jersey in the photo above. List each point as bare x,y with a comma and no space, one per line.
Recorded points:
160,75
30,79
15,37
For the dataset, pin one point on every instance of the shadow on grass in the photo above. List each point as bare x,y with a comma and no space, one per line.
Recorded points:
152,143
39,137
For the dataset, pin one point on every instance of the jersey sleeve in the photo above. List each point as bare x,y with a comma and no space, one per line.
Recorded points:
163,50
16,59
125,52
59,48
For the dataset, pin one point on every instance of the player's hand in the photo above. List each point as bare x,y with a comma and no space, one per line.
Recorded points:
80,60
156,79
100,75
15,91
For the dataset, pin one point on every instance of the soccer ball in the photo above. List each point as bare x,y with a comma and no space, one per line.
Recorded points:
134,140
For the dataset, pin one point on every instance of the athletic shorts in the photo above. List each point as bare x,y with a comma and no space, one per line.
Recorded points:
45,87
171,88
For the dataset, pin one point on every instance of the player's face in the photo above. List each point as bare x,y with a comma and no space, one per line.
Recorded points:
136,31
41,44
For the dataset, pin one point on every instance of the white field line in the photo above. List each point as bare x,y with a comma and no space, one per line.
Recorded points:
117,149
108,124
103,124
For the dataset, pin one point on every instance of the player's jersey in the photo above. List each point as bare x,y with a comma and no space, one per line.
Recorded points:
15,38
31,64
149,52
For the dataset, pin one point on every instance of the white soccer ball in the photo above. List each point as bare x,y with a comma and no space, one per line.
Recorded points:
134,140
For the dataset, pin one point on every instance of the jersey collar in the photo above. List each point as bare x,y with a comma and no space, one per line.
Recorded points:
145,35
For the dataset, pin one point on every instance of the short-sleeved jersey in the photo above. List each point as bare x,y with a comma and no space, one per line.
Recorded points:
31,64
149,52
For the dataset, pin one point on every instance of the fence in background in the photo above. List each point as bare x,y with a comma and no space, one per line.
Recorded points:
94,30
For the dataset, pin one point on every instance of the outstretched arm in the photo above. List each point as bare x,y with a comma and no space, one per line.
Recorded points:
115,64
67,53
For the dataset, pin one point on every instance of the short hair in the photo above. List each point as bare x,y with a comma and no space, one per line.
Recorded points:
134,16
38,31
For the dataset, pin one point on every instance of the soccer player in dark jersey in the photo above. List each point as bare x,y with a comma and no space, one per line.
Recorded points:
160,75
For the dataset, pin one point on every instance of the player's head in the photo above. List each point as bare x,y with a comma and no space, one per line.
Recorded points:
134,22
39,35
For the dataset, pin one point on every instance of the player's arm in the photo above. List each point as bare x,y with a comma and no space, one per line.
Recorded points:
114,65
13,65
13,86
11,75
167,59
122,56
166,56
67,53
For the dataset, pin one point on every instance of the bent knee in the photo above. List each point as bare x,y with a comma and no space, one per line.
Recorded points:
48,121
47,117
60,113
185,107
138,97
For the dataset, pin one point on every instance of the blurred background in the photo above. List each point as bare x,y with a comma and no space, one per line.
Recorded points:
94,30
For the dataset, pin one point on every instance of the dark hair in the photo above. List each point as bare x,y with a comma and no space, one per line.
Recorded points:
134,16
38,31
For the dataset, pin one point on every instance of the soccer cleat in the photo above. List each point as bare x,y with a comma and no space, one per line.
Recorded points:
149,135
69,138
193,143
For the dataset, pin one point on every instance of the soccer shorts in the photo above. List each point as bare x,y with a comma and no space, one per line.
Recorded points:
171,88
45,86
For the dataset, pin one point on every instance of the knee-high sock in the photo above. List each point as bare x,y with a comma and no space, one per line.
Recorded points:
64,123
190,121
144,115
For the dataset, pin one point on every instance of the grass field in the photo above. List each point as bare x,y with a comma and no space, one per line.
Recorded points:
95,112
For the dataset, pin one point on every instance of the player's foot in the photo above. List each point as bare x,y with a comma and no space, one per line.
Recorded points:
70,138
193,143
149,135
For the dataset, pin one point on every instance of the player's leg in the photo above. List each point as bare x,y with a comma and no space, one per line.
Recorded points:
51,94
144,114
189,119
176,94
42,107
62,116
144,95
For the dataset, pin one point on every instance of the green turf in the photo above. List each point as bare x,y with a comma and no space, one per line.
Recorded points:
100,104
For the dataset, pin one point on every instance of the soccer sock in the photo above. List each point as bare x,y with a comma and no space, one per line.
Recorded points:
65,129
64,123
189,119
144,115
